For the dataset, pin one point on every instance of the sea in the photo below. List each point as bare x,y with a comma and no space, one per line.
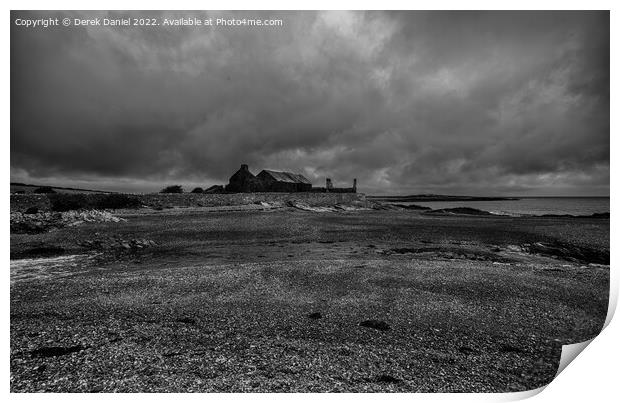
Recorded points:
531,205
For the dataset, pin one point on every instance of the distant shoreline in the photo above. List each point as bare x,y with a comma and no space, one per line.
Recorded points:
433,197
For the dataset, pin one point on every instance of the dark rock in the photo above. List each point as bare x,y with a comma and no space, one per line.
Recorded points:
460,211
42,251
507,348
412,207
466,350
375,324
568,252
189,321
55,351
315,315
387,379
345,351
114,337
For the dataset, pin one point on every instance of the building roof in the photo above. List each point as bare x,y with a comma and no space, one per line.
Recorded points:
286,177
242,173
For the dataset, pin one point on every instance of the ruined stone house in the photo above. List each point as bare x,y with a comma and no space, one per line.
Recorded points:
275,181
243,181
267,181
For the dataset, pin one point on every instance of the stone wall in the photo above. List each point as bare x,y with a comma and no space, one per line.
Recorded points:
20,202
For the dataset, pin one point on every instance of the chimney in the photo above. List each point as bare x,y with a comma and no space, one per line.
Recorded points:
328,184
354,185
244,167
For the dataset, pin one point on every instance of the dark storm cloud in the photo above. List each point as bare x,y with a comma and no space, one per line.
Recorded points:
454,102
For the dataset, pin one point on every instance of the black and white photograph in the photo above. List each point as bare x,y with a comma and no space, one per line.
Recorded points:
306,201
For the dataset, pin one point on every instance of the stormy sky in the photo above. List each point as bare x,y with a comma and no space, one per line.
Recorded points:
480,103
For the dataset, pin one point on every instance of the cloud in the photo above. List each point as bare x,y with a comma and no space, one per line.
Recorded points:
465,102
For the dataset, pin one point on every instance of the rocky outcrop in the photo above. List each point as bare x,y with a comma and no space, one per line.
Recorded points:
45,221
21,202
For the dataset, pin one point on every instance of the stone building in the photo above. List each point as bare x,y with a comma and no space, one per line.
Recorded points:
275,181
243,181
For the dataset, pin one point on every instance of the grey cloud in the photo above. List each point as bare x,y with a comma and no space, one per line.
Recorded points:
405,101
